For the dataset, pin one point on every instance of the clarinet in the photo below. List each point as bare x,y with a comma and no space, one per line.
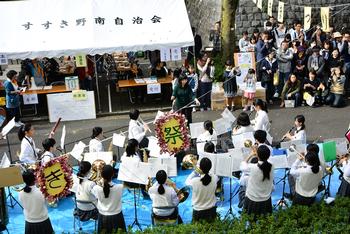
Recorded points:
290,130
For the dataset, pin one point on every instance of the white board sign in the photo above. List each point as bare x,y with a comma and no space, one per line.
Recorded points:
3,59
29,99
63,105
153,88
165,54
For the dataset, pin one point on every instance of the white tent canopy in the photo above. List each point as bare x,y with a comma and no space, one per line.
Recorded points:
53,28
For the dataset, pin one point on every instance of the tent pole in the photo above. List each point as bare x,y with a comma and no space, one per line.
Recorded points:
98,91
109,96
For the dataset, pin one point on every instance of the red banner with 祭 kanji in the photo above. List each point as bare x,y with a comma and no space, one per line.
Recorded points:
172,133
55,178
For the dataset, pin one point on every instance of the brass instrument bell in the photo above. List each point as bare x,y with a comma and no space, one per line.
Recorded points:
248,143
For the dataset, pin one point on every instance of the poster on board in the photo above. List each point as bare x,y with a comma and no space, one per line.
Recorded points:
244,61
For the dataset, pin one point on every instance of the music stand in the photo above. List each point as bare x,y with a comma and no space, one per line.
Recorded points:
282,202
230,210
8,177
136,221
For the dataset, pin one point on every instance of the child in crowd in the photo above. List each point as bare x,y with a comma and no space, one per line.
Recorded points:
230,84
250,89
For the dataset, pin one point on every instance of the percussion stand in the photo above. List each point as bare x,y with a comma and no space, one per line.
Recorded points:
13,200
230,210
282,202
136,221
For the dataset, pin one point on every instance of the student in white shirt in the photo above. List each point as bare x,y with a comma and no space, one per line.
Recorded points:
203,192
307,179
29,153
208,135
261,121
243,124
132,151
311,148
83,193
95,144
260,183
34,207
49,147
344,188
137,130
163,196
109,203
299,134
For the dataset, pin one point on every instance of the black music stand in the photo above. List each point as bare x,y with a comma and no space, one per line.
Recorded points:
282,202
13,200
230,210
136,221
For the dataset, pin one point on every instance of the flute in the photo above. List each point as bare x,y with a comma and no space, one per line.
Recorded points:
145,125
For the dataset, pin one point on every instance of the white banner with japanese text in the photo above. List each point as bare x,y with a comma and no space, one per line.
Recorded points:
53,28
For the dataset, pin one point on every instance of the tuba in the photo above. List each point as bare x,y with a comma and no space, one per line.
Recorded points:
190,162
96,170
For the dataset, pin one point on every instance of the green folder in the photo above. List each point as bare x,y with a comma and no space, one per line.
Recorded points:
329,151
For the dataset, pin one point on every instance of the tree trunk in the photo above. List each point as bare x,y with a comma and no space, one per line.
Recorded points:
228,28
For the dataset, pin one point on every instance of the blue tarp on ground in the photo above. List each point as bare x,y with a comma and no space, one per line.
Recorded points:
62,216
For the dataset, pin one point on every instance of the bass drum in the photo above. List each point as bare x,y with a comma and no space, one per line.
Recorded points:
4,217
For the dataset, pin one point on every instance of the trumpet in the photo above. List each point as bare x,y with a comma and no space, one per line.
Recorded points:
329,170
293,148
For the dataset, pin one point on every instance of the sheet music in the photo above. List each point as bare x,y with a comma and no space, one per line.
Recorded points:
226,114
237,157
47,87
279,162
212,158
8,127
139,81
107,157
222,126
291,157
224,165
77,150
118,140
157,165
5,162
342,147
238,140
159,114
134,172
286,144
171,166
63,136
196,129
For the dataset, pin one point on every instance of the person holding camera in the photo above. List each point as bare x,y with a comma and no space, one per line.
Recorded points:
337,81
